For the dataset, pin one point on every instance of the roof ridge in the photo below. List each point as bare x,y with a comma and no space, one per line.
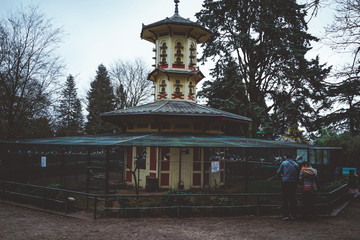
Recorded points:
166,102
217,110
124,109
202,106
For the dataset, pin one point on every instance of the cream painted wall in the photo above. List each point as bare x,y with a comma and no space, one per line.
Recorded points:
171,43
170,86
186,169
143,172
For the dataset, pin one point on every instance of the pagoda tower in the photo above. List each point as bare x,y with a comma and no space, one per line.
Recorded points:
167,127
174,78
176,73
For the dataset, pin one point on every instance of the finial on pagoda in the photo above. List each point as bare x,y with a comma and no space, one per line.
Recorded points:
176,7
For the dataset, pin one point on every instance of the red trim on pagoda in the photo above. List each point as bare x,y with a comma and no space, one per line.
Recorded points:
162,96
165,154
197,179
175,96
128,176
192,68
178,66
164,66
197,159
191,98
129,154
152,158
164,179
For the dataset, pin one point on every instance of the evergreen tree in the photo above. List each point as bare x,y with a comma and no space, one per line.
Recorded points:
344,35
260,47
101,99
346,97
70,119
120,97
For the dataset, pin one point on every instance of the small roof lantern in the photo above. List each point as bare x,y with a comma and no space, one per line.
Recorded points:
176,23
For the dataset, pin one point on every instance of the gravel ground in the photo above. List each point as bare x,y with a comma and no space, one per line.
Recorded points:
23,223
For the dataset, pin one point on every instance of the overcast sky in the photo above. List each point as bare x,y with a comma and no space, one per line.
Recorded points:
101,31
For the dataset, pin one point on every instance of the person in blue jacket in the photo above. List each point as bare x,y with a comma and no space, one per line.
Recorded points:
289,172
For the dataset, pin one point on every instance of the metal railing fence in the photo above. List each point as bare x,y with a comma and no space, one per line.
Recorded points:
159,204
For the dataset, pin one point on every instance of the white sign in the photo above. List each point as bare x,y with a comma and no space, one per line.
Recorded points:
215,167
43,161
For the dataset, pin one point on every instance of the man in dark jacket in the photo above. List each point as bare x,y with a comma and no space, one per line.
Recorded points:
289,172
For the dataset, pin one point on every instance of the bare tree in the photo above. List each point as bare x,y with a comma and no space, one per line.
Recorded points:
344,33
313,6
132,86
29,69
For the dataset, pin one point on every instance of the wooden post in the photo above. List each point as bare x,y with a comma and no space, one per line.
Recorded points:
66,202
24,165
88,177
328,205
258,206
63,180
95,205
178,210
43,198
246,176
179,184
3,191
107,152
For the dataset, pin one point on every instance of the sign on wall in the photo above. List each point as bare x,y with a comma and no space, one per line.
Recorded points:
215,167
346,171
43,161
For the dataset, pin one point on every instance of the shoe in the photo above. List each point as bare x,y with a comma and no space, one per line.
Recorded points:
286,218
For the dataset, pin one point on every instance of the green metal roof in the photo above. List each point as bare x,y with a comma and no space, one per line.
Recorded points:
164,140
172,108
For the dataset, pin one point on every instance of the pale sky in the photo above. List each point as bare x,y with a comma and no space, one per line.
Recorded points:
102,31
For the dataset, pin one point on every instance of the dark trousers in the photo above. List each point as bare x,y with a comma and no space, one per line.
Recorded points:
308,198
289,198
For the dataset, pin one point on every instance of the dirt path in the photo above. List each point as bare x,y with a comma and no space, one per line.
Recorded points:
21,223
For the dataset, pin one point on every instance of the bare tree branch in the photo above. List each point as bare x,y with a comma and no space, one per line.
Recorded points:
131,77
29,69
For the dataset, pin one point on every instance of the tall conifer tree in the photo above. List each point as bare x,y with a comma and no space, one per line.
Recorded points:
259,47
101,99
70,120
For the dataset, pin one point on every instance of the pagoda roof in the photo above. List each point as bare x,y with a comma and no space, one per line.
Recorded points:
175,108
184,24
156,71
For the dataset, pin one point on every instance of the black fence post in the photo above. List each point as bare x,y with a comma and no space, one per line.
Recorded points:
43,198
95,205
3,191
179,206
328,204
107,157
66,202
62,156
88,177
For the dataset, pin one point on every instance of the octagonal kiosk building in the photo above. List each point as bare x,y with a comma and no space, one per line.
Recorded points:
176,140
172,142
